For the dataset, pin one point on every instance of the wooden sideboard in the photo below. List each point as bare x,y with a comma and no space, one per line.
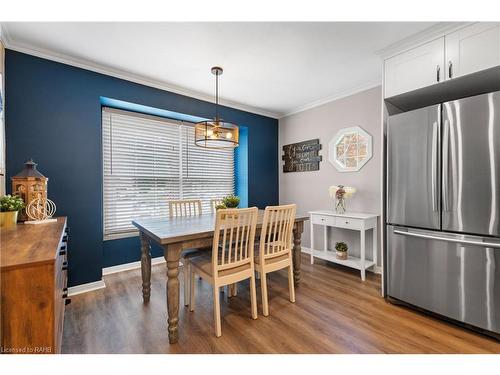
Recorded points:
34,266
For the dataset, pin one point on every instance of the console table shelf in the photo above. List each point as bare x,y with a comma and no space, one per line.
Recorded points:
354,221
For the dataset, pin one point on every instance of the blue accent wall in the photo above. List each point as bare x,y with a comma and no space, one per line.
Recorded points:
53,114
241,167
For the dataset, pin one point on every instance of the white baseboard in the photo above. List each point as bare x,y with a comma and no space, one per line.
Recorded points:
83,288
129,266
374,269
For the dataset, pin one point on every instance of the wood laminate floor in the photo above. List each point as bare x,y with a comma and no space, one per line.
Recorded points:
335,312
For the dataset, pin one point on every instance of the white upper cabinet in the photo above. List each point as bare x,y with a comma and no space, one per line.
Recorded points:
419,67
472,49
465,51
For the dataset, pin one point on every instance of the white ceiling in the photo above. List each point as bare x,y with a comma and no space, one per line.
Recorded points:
272,68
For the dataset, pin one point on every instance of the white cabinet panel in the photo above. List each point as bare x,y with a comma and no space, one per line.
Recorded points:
414,69
472,49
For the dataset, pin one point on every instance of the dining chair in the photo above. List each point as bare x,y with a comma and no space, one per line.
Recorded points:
232,258
214,203
275,248
186,207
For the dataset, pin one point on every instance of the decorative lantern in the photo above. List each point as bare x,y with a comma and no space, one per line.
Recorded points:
29,184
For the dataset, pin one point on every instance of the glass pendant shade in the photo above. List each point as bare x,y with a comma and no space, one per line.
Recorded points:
216,134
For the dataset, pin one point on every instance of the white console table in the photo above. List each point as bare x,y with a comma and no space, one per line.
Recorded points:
354,221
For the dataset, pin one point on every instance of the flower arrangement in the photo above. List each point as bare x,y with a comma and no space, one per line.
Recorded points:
340,193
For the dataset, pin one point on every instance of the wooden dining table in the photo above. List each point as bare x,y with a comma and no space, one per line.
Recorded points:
176,234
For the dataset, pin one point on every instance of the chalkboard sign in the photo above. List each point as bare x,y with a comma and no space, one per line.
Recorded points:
302,157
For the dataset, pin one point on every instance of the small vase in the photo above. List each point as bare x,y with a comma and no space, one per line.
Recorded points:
342,255
8,219
340,206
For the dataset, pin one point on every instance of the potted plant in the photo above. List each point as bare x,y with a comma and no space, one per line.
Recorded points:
341,248
231,201
10,205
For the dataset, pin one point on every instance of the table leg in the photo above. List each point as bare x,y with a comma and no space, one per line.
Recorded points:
312,241
145,268
298,228
363,254
375,247
172,255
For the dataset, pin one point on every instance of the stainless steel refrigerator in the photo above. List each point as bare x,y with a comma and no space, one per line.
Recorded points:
443,210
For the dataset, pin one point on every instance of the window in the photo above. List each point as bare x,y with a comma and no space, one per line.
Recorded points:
150,160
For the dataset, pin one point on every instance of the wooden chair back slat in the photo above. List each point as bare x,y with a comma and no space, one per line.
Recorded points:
233,237
184,207
214,203
277,231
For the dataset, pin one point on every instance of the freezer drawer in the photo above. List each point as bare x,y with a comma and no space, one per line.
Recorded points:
471,165
413,160
453,276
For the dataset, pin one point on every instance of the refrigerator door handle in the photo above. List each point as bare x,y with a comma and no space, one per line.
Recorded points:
455,240
434,162
446,166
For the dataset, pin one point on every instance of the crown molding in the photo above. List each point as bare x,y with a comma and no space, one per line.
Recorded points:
121,74
331,98
431,33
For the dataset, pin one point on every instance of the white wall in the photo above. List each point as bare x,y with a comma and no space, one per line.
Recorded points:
309,190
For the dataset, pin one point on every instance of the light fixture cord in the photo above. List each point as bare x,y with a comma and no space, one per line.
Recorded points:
111,143
217,96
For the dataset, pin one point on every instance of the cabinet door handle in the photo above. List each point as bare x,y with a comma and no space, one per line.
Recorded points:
65,266
438,72
450,69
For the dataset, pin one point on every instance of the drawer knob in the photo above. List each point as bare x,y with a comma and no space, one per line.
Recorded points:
67,301
65,266
65,238
63,252
347,222
66,230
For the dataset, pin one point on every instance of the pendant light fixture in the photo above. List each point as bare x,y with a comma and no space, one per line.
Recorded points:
216,133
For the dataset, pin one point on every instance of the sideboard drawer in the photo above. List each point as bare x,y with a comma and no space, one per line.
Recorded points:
323,220
349,223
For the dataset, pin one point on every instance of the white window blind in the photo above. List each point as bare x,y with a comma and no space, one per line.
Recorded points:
149,161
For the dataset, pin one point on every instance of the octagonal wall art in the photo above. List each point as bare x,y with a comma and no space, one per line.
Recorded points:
350,149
